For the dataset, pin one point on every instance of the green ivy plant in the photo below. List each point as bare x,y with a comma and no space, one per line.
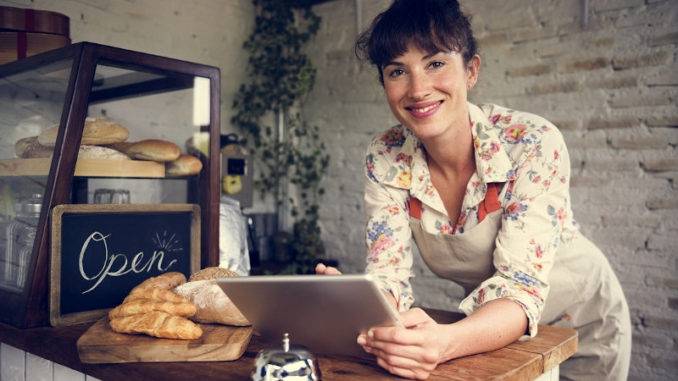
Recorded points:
280,75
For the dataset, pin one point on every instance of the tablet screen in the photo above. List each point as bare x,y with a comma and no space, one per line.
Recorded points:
325,313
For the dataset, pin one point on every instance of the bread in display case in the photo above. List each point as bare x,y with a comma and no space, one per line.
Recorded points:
96,124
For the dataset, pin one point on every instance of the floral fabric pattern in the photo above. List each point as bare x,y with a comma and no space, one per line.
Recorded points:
525,153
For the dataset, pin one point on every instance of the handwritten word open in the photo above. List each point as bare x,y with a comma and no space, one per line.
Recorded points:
117,264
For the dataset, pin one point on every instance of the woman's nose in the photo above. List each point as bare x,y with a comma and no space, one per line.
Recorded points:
419,86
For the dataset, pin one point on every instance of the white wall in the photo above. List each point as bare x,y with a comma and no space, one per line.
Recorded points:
209,32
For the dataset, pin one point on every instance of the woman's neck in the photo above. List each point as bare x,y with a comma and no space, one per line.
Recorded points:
452,154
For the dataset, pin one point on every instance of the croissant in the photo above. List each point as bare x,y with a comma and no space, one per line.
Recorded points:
158,324
166,281
156,294
139,306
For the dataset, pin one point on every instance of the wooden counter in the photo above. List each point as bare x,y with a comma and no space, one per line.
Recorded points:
518,361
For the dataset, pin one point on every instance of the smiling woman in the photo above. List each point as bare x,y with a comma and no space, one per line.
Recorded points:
484,192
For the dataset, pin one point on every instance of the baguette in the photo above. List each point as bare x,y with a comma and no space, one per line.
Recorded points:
97,131
157,324
139,306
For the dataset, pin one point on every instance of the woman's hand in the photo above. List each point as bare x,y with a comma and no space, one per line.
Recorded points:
321,269
412,351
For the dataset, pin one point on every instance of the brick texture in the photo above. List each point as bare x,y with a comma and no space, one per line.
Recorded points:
610,87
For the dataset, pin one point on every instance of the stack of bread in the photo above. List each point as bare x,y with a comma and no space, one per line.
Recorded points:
105,139
167,306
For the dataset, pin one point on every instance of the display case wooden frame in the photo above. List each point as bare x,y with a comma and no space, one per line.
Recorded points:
30,309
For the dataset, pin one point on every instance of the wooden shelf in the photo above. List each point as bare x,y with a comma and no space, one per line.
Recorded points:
85,168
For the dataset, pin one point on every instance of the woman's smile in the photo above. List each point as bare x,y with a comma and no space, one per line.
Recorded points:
423,110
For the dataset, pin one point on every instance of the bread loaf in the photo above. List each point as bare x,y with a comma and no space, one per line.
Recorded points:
100,153
185,165
139,306
28,148
153,149
97,131
157,324
212,273
212,304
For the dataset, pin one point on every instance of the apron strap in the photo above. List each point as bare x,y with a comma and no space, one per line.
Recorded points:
491,201
487,206
414,205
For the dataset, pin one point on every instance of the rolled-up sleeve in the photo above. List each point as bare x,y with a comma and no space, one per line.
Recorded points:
388,237
535,207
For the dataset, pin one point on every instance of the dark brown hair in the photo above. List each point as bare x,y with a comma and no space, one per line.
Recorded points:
431,25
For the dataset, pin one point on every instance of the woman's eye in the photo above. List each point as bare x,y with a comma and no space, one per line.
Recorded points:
395,73
436,64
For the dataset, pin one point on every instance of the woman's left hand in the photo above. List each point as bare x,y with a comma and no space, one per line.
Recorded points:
412,351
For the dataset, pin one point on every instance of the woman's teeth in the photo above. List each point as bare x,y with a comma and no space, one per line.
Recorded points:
425,109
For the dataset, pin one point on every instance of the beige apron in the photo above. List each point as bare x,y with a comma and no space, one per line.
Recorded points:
584,293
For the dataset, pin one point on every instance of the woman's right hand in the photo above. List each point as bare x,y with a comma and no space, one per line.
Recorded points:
321,269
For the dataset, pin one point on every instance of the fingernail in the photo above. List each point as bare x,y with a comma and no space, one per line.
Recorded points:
362,340
370,333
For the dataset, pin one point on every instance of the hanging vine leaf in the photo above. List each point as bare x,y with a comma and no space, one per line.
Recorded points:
280,75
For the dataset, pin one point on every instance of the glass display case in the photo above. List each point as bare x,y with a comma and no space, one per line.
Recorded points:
96,124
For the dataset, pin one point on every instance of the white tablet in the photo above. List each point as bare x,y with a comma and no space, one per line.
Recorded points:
322,312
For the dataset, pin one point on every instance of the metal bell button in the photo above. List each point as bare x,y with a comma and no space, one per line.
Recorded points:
296,364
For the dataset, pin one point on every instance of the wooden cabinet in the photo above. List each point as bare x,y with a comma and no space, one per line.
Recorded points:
152,97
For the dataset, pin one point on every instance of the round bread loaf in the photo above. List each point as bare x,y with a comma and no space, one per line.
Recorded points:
97,131
212,273
28,148
183,166
153,149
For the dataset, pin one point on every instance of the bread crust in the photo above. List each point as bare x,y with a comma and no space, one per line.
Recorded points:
185,165
97,131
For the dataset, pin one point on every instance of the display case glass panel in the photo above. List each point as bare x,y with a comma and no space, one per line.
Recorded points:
143,141
31,102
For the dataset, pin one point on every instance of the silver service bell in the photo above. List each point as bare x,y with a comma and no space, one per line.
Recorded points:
296,364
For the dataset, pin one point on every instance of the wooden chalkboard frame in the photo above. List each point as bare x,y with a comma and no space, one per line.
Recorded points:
59,319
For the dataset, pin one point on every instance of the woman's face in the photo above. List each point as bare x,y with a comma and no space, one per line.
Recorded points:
427,92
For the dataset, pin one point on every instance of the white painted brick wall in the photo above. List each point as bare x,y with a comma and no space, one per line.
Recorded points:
209,32
613,90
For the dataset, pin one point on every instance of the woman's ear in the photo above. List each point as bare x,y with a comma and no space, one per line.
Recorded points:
472,71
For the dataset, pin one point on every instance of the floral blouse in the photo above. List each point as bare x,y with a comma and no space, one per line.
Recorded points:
524,152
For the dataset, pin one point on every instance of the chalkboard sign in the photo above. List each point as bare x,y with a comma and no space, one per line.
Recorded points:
101,251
